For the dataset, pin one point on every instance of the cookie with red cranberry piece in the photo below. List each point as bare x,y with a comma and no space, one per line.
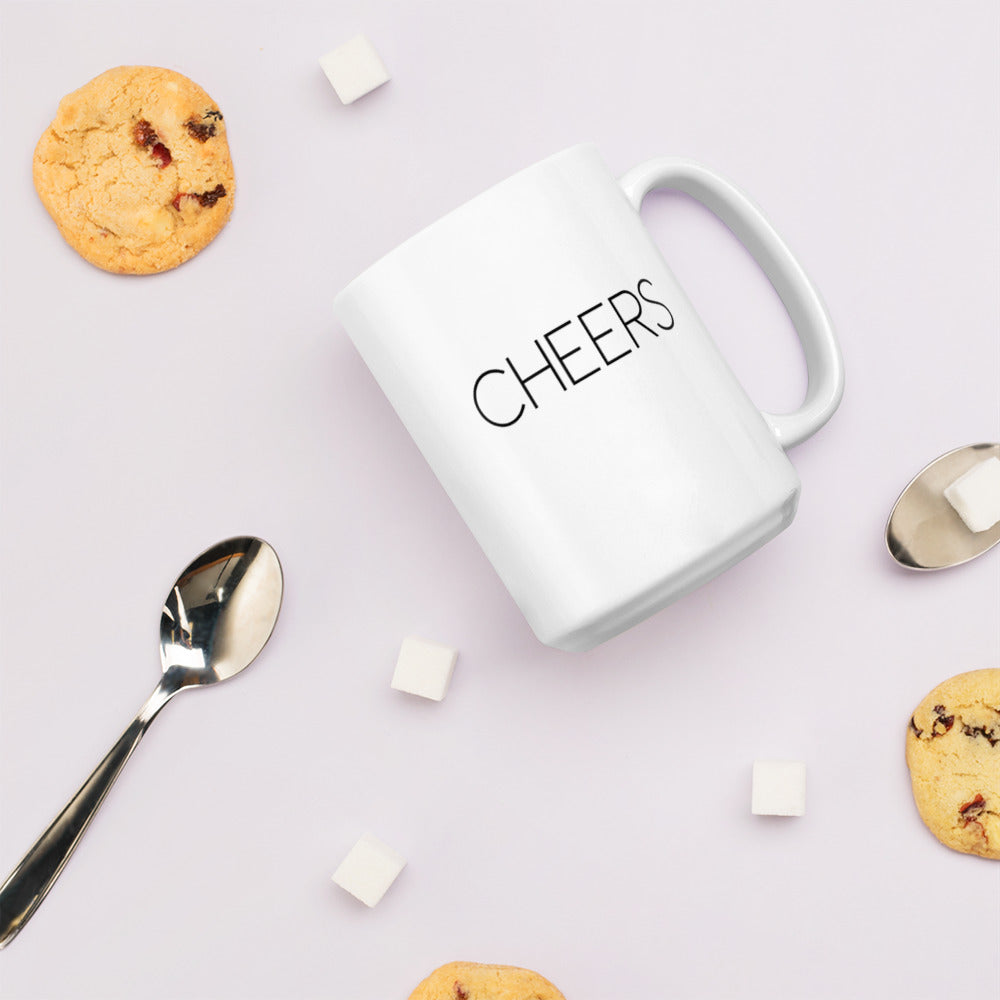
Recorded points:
953,752
473,981
135,170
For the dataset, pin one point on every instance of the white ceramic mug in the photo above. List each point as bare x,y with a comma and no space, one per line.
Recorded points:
556,378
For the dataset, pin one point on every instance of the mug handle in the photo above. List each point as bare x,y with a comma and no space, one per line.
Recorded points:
824,365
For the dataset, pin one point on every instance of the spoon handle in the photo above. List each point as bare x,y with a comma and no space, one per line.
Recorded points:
31,880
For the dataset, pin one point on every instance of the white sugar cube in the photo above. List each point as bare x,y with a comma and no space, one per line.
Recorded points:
424,668
369,869
779,788
976,495
354,69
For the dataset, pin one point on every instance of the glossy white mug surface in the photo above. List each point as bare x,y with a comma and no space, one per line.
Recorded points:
562,388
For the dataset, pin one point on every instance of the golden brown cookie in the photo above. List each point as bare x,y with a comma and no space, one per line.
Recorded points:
472,981
953,752
135,170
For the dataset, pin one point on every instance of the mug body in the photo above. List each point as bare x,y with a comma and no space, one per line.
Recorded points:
565,393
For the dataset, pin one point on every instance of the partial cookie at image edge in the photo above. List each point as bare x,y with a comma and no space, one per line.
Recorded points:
953,754
478,981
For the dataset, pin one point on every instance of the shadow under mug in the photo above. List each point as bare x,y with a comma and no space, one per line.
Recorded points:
575,409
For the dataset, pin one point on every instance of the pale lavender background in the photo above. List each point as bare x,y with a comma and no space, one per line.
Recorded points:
584,815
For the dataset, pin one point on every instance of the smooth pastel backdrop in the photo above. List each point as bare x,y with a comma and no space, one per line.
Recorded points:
584,815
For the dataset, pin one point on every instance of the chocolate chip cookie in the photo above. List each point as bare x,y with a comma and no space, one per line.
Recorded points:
953,752
472,981
135,170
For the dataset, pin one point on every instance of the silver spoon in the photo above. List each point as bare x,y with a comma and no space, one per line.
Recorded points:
924,530
215,621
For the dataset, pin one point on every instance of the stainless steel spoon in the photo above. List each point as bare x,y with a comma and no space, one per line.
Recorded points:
215,621
924,530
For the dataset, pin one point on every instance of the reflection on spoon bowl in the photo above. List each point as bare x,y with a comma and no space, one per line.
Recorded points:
924,530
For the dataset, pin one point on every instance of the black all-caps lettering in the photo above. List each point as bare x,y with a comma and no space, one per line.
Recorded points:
525,379
475,399
561,358
655,302
632,320
644,306
595,337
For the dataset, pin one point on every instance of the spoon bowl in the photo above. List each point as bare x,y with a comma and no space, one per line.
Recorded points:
221,611
924,531
216,619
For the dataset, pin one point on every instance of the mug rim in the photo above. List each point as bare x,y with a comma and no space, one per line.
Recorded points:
488,192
